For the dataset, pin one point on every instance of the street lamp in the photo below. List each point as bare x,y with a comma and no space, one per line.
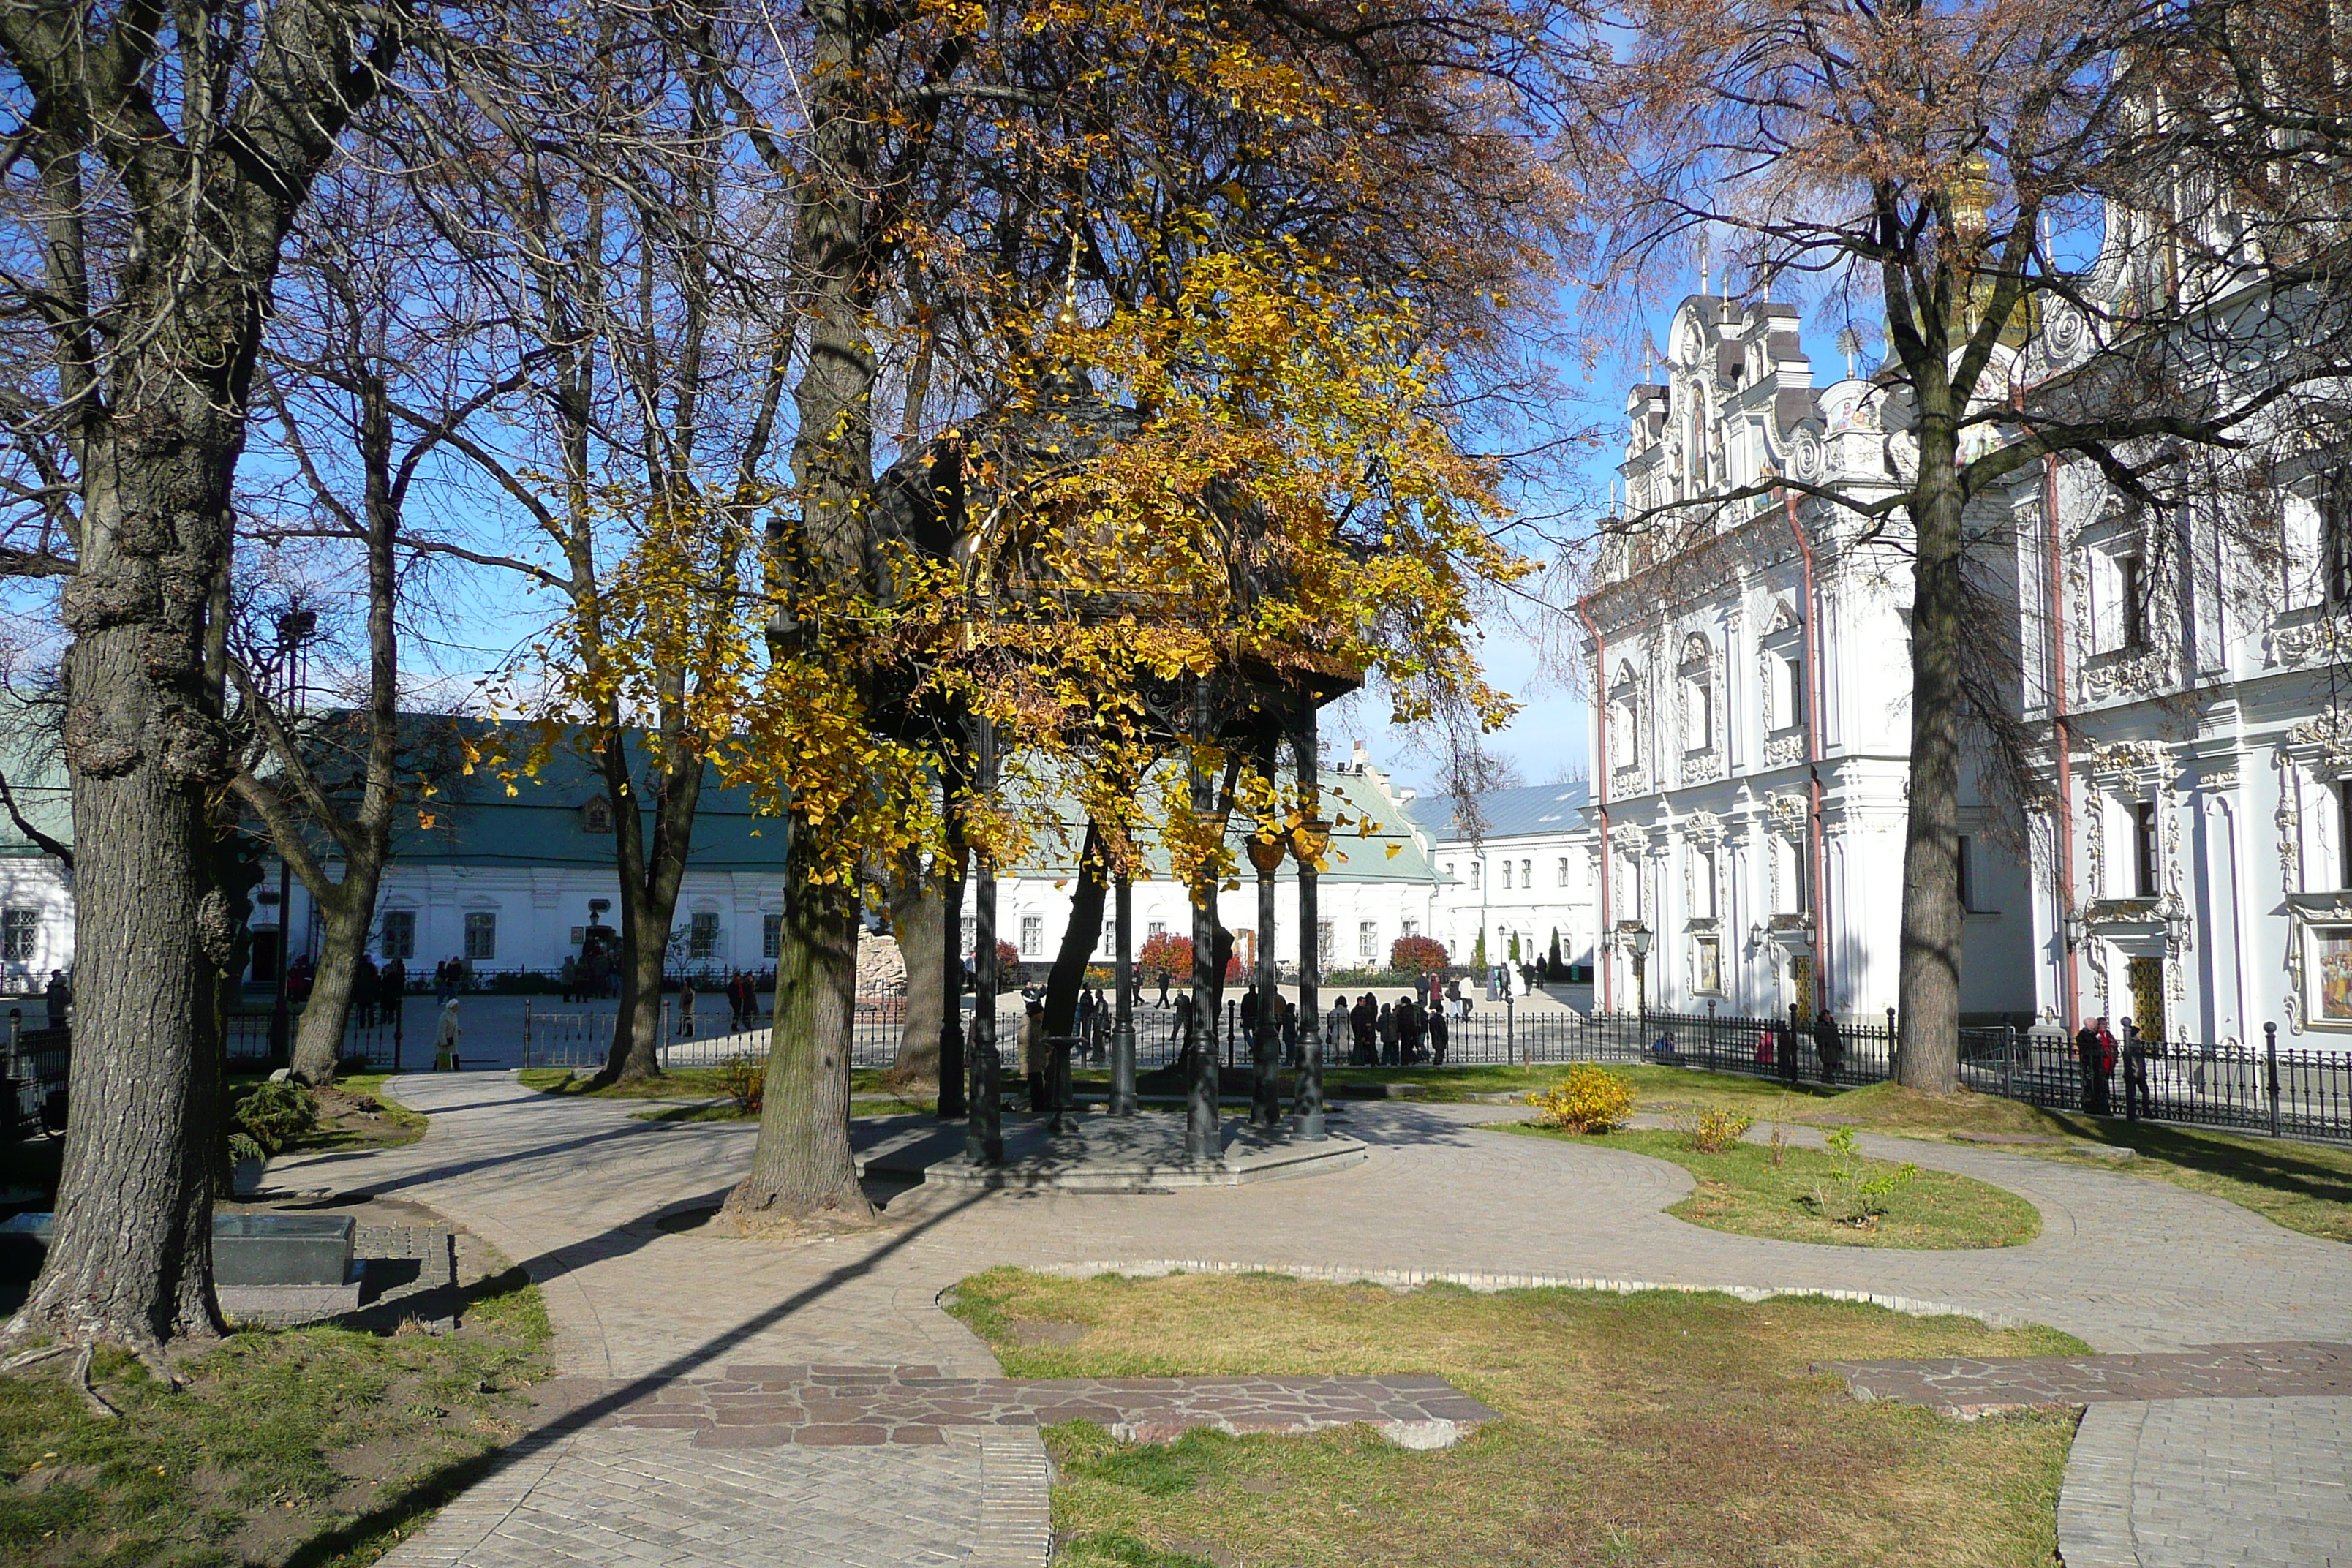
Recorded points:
2076,929
1637,943
293,628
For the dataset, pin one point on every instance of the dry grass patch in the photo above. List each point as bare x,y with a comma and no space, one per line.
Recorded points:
1661,1428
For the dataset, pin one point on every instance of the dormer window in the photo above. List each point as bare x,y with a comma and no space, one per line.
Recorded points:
596,817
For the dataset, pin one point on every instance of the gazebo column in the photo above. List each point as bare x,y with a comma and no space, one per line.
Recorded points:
1307,846
1265,1045
1122,1034
983,1142
1202,1140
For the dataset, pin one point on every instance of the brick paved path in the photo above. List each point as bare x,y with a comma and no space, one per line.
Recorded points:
573,1190
851,1406
1969,1389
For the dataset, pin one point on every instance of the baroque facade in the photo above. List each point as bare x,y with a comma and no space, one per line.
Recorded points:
1750,731
2196,875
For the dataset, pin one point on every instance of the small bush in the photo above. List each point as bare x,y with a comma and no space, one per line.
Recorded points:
276,1114
1588,1099
744,1080
1712,1131
1418,956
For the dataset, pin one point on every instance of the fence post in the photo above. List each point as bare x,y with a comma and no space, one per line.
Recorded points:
1510,1034
526,1032
2270,1072
2009,1061
399,1016
1894,1046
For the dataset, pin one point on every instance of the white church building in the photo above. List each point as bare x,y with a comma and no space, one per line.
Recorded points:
1751,734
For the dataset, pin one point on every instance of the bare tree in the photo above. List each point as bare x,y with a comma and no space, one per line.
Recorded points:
2028,200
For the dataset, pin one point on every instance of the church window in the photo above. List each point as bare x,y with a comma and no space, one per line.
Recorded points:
2143,820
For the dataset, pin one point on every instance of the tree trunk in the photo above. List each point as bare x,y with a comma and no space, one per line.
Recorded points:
319,1037
1080,938
916,909
131,1257
651,873
1929,983
802,1168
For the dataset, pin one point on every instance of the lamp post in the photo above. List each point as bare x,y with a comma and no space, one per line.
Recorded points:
1637,943
293,626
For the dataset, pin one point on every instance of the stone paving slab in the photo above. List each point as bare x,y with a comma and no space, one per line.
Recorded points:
767,1407
2210,1483
1969,1387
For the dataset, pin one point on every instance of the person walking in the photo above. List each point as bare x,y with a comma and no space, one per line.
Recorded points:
686,1009
1163,988
1829,1045
1035,1060
56,999
1180,1033
444,1038
2136,1103
1251,1004
1290,1034
1437,1036
571,975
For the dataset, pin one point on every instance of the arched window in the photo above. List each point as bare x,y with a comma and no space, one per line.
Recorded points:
1697,673
1624,719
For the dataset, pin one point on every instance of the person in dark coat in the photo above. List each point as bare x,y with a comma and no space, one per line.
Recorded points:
363,991
391,989
1362,1024
1251,1002
1784,1051
1437,1035
56,998
2094,1054
1829,1045
1290,1034
1180,1033
2136,1103
1388,1028
1408,1030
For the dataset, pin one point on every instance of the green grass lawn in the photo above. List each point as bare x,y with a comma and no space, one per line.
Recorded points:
2302,1186
1743,1190
318,1447
1659,1429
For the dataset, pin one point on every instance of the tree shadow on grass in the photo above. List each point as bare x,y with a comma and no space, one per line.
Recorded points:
2282,1167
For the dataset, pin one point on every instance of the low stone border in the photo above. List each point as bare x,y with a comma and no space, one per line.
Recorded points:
1968,1387
1485,1282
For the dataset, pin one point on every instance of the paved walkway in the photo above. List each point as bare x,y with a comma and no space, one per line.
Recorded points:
573,1190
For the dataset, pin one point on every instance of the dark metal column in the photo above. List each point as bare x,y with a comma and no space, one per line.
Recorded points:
1122,1034
952,1062
983,1142
1203,1141
1265,1046
1307,846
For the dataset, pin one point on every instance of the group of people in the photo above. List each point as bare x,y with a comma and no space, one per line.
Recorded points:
376,990
1393,1034
742,1005
2096,1055
1781,1047
591,975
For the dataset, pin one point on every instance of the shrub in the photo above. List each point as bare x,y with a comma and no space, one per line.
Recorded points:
744,1080
1417,955
275,1114
1166,955
1712,1131
1588,1099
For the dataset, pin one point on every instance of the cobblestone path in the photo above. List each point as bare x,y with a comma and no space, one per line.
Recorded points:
577,1193
1969,1388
